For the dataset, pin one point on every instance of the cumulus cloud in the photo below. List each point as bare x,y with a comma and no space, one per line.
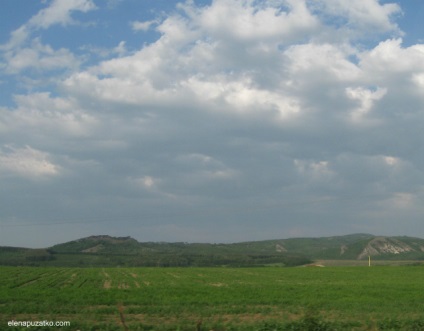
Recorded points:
365,98
252,21
390,53
41,116
40,58
22,51
142,26
360,19
59,12
26,162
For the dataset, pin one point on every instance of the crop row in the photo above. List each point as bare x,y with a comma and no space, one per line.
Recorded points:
171,297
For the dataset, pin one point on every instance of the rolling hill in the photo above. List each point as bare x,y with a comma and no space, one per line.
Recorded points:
104,250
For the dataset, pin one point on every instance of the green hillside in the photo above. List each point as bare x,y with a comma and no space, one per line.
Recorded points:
104,250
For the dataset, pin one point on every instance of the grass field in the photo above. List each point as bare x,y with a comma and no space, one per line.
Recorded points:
260,299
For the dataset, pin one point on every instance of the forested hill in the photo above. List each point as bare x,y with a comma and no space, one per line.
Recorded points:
104,250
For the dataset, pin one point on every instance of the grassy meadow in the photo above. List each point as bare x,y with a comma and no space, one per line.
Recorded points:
260,299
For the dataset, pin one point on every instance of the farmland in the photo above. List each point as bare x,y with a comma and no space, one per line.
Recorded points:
268,298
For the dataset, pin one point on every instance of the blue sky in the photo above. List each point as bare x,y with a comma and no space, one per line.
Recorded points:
210,121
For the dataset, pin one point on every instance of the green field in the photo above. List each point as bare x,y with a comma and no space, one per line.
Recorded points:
273,298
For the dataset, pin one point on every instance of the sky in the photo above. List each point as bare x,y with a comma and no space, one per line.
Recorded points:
210,121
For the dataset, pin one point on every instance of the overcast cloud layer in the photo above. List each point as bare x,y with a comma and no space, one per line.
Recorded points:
218,121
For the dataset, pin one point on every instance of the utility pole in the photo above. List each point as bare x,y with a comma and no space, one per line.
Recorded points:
369,260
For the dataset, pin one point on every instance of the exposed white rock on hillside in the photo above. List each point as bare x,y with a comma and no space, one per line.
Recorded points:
384,245
280,248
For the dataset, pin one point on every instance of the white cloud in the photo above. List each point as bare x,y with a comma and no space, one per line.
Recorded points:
190,58
142,26
21,52
39,57
242,96
120,49
361,17
317,62
316,171
391,54
252,21
60,12
26,162
145,183
366,99
148,181
17,38
43,116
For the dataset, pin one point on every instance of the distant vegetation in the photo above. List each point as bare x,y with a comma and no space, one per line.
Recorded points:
106,251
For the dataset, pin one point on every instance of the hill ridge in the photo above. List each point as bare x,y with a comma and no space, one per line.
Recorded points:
106,250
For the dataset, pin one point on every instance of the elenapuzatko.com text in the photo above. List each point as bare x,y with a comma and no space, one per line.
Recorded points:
29,324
